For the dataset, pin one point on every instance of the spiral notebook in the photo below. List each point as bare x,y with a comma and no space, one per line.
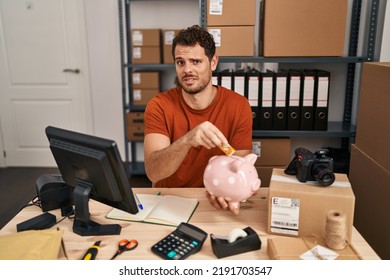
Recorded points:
167,210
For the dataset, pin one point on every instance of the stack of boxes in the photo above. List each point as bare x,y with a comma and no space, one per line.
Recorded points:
232,24
298,211
370,166
168,35
145,86
146,46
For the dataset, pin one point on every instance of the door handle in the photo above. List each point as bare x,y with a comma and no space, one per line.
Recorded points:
75,71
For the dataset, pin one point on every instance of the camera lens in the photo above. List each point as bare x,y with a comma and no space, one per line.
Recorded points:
324,176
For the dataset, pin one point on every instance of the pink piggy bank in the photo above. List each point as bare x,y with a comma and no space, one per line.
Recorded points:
234,178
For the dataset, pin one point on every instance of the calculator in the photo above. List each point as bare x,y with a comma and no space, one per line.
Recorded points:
184,241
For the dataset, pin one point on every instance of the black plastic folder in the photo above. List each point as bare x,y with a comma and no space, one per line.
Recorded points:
280,101
294,83
253,94
322,83
266,100
307,100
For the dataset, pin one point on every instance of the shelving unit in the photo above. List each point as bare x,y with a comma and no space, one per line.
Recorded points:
341,129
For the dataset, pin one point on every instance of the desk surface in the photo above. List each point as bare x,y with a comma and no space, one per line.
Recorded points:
253,214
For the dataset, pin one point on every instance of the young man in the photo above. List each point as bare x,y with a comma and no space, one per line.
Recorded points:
186,125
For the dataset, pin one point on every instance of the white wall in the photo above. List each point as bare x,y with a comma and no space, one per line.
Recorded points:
105,76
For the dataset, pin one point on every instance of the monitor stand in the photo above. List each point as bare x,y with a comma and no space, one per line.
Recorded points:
82,224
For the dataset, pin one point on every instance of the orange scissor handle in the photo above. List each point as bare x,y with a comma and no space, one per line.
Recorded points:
127,245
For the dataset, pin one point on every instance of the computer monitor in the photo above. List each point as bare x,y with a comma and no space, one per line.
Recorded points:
92,167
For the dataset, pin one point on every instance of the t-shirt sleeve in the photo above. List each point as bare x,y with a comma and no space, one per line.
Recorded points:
242,136
154,118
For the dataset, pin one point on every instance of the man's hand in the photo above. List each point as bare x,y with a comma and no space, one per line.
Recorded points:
207,135
220,203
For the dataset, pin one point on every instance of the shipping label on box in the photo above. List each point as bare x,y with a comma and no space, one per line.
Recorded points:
285,215
300,209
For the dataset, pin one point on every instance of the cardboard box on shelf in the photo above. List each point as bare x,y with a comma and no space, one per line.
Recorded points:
373,118
142,96
135,118
231,12
233,40
300,209
146,80
147,55
371,184
135,132
272,151
304,27
307,248
168,36
146,37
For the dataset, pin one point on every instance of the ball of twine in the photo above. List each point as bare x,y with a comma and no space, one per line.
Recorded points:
335,230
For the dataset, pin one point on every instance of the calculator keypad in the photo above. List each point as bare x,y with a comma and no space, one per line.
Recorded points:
175,247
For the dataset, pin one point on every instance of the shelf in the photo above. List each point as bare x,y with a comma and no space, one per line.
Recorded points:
154,67
313,59
335,129
261,59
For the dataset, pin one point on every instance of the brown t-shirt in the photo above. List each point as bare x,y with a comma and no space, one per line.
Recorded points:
168,114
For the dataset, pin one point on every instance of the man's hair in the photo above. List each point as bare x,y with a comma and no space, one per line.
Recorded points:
195,35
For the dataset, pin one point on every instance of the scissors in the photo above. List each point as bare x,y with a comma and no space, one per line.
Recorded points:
125,245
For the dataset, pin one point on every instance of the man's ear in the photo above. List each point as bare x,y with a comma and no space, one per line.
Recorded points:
214,62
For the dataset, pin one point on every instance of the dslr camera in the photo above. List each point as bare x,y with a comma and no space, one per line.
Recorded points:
308,166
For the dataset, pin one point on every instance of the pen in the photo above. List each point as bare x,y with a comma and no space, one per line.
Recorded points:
92,251
139,203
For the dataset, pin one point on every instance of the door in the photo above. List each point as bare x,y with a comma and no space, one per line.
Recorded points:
43,76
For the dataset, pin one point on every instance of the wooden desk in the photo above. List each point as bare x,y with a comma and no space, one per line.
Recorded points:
252,214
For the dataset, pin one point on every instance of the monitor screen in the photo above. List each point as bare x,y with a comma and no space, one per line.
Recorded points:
92,167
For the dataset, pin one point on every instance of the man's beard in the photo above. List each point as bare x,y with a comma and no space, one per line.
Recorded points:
190,90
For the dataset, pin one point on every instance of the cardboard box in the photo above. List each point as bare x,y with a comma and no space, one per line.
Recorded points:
134,118
300,209
146,80
373,129
142,96
135,132
272,151
145,55
230,12
168,36
371,184
304,27
295,248
146,37
233,40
